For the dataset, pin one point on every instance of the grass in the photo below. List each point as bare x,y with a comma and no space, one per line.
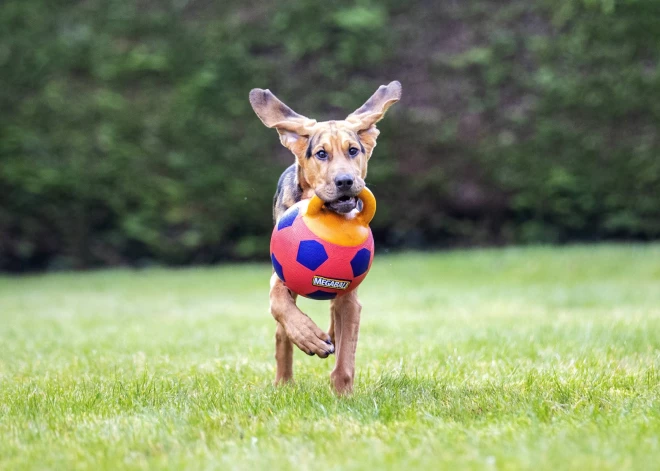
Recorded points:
543,358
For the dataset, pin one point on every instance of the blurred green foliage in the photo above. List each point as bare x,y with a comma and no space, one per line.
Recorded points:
126,135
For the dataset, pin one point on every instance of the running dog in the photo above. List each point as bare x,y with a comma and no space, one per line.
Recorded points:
331,162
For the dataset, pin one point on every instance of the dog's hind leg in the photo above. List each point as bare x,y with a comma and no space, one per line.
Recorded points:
331,328
297,327
283,355
345,311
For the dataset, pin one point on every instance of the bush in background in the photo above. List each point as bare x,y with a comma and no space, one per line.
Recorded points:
126,136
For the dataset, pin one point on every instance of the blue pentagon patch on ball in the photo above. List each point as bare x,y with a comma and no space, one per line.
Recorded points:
277,266
360,262
311,254
287,219
321,295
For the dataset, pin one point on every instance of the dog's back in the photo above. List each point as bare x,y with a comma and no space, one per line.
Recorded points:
288,192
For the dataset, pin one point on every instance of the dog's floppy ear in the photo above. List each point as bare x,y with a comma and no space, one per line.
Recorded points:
292,127
364,119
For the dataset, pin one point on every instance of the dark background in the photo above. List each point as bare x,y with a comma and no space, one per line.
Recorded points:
126,136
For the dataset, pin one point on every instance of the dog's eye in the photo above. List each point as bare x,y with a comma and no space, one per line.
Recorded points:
322,155
353,151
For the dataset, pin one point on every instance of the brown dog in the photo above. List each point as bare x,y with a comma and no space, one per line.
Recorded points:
331,162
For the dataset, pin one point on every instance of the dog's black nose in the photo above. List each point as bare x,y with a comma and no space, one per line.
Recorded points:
344,182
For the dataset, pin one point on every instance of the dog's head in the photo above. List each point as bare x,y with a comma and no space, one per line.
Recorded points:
332,156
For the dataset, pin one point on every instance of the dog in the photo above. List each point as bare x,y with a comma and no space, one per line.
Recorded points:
331,160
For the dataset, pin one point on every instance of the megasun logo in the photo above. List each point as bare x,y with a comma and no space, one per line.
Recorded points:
330,283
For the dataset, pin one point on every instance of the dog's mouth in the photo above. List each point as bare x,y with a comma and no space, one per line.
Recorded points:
343,204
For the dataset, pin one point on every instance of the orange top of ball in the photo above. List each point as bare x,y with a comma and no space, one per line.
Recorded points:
340,229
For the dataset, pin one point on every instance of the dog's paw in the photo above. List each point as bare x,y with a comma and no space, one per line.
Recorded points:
309,338
330,349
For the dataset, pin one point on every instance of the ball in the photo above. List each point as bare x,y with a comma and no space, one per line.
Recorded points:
320,254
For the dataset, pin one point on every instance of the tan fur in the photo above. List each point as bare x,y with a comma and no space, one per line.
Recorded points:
336,139
305,137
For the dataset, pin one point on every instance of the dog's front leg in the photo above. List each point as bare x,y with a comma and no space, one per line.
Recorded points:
345,312
293,326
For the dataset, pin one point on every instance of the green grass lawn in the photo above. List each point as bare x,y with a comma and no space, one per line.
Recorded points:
543,358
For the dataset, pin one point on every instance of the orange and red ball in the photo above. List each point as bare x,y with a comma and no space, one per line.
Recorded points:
321,258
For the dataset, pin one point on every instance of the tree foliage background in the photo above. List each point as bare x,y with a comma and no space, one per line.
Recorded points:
126,136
